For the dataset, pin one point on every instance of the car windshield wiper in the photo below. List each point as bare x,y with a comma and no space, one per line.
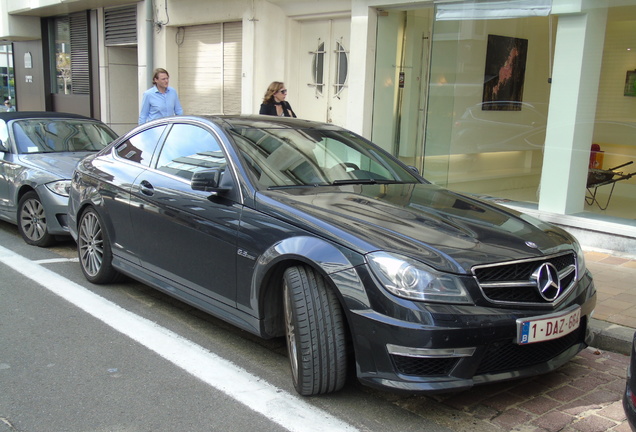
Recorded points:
338,182
354,181
295,186
367,181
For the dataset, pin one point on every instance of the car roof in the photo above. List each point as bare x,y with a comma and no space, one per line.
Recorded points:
268,122
6,116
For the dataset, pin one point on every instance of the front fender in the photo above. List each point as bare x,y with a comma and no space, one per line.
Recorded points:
81,195
329,257
336,263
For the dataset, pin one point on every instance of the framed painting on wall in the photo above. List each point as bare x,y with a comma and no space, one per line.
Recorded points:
504,73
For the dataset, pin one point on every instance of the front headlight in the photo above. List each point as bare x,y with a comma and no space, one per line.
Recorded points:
60,187
580,259
414,280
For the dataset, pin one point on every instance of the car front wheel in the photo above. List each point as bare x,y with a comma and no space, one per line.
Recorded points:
32,221
94,250
315,333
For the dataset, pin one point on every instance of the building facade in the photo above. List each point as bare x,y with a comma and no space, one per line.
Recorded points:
531,103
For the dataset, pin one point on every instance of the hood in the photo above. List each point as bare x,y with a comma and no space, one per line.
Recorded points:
60,165
448,231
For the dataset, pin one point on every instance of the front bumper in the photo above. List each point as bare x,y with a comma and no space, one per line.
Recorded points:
461,346
56,208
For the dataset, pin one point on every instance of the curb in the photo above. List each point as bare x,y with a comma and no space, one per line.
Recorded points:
611,337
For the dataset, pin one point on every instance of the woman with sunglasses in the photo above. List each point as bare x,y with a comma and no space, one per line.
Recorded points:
274,102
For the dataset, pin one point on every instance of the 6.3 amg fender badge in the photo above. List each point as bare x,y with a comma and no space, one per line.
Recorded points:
245,254
548,283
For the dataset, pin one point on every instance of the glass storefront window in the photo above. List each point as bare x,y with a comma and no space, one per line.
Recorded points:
7,78
488,124
62,52
488,106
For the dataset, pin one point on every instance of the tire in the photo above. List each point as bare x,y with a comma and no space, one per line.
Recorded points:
315,333
94,250
32,221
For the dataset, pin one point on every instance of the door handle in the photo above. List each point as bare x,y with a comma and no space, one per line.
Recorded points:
146,188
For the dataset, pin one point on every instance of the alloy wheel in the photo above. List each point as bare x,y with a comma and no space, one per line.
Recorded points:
33,219
90,244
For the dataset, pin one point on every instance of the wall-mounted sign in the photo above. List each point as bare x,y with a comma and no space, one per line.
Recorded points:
28,60
28,78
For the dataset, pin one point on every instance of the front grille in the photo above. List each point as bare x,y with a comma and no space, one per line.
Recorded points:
512,282
423,366
508,356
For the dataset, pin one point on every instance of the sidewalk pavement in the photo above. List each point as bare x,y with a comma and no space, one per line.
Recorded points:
614,321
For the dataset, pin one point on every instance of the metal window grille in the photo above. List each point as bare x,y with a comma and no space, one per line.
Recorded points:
120,26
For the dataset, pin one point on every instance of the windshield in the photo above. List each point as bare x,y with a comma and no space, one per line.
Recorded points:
287,157
60,135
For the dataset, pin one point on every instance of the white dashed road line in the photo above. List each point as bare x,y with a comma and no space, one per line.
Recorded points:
56,260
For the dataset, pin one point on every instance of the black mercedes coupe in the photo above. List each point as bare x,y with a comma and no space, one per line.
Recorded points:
303,230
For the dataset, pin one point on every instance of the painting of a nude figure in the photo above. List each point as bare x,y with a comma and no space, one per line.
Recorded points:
504,73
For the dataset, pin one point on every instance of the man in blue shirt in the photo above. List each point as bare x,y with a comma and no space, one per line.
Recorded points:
160,100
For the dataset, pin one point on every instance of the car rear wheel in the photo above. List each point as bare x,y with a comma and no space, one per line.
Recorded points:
315,333
94,250
32,221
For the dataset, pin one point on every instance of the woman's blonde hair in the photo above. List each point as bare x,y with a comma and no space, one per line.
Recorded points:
273,88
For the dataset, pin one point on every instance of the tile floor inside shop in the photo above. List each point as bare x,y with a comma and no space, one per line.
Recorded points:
619,206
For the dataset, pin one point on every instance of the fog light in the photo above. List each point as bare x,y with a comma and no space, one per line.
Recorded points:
430,352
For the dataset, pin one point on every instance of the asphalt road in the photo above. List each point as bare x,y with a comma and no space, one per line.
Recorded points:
81,357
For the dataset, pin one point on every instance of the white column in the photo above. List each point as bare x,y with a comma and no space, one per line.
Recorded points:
361,68
575,83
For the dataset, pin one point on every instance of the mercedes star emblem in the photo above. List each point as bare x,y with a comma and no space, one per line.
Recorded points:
548,282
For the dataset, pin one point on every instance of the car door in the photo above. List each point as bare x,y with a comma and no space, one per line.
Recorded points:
183,235
5,168
133,157
4,181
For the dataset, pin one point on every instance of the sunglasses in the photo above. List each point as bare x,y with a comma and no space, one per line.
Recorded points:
284,91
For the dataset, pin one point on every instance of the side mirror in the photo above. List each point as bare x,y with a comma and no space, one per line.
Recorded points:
3,148
415,170
208,180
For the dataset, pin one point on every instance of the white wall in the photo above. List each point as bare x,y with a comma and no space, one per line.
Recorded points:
18,28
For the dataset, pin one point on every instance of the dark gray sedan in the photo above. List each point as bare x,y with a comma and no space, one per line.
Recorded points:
285,227
38,153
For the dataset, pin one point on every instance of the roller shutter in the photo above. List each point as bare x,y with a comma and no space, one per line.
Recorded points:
210,68
80,65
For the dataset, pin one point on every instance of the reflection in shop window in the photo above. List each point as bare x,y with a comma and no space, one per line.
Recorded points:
62,40
7,78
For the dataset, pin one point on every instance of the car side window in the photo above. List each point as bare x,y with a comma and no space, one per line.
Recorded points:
139,148
190,148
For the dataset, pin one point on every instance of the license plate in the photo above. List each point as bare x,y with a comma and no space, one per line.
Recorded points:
547,327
